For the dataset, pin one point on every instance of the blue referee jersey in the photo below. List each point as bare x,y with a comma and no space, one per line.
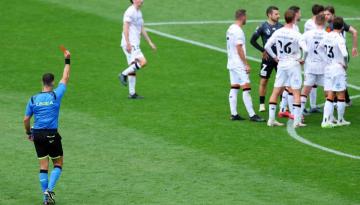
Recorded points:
45,107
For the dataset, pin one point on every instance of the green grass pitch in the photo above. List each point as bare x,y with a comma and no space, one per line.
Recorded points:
177,146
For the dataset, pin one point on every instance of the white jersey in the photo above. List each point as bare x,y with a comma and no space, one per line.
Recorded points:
333,51
314,63
296,28
309,25
235,36
134,17
288,43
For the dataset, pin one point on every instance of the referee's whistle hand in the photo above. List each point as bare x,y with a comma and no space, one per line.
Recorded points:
30,138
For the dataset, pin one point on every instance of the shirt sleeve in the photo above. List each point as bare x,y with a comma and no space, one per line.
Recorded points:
346,27
29,109
127,16
269,44
302,42
255,37
60,91
239,38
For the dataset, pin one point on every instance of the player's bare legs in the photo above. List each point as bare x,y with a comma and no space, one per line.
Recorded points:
341,105
262,93
128,76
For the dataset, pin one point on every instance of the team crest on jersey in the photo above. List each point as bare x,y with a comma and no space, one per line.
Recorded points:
268,32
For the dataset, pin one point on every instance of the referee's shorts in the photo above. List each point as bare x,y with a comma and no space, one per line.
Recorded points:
47,143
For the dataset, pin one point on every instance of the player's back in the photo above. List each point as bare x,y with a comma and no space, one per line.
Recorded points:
235,36
334,48
309,25
287,44
312,39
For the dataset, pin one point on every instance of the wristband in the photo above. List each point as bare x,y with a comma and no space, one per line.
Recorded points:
67,61
28,133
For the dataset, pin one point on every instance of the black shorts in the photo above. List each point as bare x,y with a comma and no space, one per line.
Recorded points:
48,144
267,66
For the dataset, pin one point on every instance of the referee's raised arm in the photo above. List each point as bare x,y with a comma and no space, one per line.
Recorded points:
66,73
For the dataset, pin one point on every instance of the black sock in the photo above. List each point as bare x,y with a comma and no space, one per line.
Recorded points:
347,97
262,99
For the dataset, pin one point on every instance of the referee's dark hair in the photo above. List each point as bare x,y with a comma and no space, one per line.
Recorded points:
317,9
270,9
294,8
338,23
240,13
331,9
48,79
289,16
131,1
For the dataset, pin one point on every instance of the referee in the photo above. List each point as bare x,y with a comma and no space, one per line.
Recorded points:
45,107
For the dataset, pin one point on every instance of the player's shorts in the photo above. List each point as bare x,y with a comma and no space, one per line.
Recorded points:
289,77
311,79
47,144
267,67
135,54
239,76
335,78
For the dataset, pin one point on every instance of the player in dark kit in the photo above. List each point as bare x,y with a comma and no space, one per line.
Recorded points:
45,107
265,30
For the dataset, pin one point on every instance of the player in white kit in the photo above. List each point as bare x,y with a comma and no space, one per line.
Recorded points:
311,25
287,95
133,27
333,51
288,43
239,68
314,64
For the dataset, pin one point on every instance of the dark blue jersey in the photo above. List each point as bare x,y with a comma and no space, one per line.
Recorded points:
265,30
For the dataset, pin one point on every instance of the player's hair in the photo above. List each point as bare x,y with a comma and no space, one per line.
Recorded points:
316,9
240,13
294,8
48,79
338,23
289,16
320,19
270,9
331,9
131,1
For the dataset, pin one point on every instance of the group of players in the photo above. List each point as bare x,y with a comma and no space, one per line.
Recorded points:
321,50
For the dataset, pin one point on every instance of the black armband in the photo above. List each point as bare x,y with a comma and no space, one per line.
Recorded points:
67,61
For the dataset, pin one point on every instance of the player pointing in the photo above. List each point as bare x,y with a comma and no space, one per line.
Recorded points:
45,107
239,68
133,27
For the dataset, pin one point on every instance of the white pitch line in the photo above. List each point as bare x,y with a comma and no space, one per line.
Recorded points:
204,45
219,22
292,132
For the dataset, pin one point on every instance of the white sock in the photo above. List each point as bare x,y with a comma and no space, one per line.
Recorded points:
341,110
313,96
131,69
303,103
272,111
328,111
297,114
132,84
233,101
284,101
248,103
290,103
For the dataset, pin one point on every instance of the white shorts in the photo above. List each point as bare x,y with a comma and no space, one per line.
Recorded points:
135,54
289,77
311,79
239,76
335,83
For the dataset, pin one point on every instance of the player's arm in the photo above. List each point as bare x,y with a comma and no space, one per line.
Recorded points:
303,48
268,46
354,33
241,53
27,118
66,74
126,28
342,46
255,44
147,38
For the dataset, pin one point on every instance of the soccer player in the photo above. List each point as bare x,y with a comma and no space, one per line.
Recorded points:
333,51
239,68
45,107
265,30
314,65
311,25
133,27
288,42
329,15
287,94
